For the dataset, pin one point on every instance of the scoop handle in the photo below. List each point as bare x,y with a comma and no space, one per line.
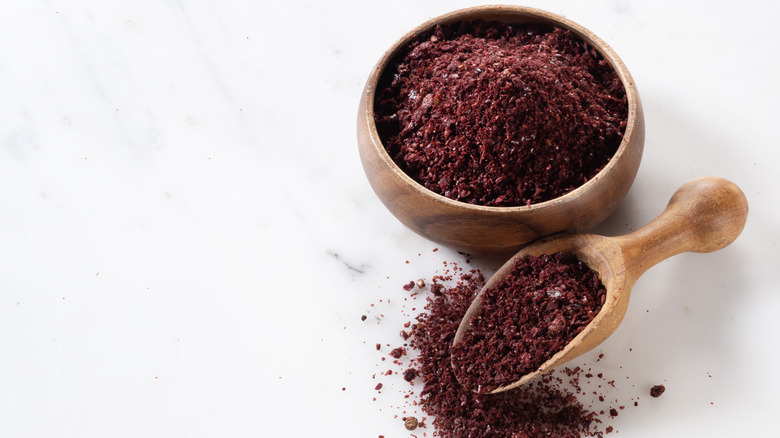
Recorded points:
703,215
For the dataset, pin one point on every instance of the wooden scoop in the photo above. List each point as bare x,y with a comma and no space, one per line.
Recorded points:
704,215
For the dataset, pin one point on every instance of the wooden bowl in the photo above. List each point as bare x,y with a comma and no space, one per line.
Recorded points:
476,229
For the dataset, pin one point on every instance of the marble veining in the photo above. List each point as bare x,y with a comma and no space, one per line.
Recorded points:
189,243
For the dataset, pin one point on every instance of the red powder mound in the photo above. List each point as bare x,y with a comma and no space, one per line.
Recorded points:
500,115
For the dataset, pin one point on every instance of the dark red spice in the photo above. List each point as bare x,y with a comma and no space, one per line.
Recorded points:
410,374
613,412
378,386
527,317
409,286
657,390
396,353
500,115
363,317
540,409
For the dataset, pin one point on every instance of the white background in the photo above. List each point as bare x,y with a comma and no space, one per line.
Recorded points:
188,241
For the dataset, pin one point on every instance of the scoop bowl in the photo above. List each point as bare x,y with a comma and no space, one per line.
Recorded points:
703,215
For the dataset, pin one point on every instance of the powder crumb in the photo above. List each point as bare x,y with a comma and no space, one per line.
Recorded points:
396,353
657,390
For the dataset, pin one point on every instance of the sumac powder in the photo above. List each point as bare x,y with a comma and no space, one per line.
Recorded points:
500,115
542,408
527,317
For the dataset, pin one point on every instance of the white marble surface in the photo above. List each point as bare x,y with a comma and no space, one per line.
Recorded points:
187,239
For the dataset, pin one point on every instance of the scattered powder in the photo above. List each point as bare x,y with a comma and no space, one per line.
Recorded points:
567,403
542,408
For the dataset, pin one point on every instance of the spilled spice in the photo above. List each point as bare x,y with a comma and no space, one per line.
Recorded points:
568,402
500,115
542,408
530,315
657,390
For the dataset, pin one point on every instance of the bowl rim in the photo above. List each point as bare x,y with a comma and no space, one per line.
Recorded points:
510,14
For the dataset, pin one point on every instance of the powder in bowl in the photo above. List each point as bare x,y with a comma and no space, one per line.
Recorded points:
499,114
